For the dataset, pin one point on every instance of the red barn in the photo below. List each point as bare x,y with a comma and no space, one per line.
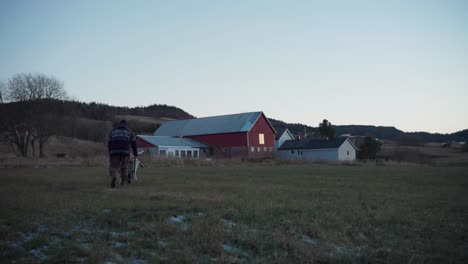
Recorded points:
229,136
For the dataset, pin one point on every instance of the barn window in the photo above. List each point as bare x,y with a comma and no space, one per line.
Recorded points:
252,149
177,153
261,139
189,153
347,152
259,149
225,149
292,151
162,152
182,153
195,153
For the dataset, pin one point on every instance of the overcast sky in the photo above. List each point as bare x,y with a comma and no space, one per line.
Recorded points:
391,63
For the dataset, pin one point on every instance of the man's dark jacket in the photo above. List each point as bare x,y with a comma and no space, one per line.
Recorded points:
121,139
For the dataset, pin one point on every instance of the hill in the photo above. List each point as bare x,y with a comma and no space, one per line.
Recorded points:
380,132
30,123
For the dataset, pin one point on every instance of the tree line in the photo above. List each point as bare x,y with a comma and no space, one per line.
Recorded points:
34,107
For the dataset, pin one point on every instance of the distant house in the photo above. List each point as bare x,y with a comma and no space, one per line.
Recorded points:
242,135
172,147
321,149
281,136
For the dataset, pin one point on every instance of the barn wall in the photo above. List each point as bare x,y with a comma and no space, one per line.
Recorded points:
344,149
226,145
255,148
143,144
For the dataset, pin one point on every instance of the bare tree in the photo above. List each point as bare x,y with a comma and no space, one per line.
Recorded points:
3,92
28,86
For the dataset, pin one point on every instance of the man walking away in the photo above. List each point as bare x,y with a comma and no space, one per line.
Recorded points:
121,139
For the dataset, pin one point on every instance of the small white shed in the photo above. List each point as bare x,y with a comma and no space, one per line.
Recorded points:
281,136
333,150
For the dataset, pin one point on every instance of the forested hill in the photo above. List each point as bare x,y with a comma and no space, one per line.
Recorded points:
95,111
380,132
93,120
89,121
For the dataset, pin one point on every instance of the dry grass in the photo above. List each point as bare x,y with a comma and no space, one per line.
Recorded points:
236,214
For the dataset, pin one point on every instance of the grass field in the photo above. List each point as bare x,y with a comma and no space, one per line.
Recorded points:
236,214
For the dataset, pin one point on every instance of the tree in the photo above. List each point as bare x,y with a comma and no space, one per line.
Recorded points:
326,130
368,149
28,86
3,92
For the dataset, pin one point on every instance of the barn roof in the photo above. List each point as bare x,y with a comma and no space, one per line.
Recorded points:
172,142
209,125
313,144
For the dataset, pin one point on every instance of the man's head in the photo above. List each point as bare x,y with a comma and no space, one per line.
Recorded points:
123,122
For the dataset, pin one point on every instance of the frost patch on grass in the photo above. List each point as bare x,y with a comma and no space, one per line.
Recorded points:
177,219
228,224
180,220
39,253
163,243
135,260
309,240
234,250
118,244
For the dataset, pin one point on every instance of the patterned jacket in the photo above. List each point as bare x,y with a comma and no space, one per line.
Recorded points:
121,139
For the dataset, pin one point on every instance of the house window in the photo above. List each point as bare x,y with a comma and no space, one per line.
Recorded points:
292,151
252,149
189,153
195,153
261,139
177,153
182,153
162,152
347,152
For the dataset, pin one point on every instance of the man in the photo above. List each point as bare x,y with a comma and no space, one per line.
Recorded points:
121,139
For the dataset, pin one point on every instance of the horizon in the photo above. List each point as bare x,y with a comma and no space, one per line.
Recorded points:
394,64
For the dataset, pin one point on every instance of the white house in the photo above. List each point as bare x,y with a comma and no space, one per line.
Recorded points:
281,136
172,147
334,150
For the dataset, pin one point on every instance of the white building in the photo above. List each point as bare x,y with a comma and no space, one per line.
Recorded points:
333,150
282,136
172,147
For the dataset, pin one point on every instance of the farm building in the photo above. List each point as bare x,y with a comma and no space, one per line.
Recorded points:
321,149
281,136
245,135
172,147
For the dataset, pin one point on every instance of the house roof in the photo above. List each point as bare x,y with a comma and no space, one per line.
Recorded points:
209,125
280,132
314,144
172,141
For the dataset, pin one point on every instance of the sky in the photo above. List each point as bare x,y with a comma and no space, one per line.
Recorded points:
383,63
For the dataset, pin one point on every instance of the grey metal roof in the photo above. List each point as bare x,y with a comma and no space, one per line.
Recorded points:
313,144
209,125
172,141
